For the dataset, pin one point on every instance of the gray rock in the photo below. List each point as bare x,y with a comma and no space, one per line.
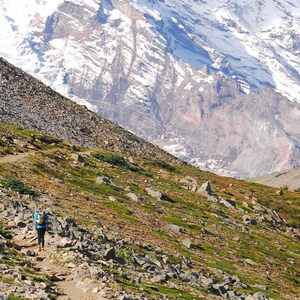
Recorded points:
208,282
229,203
187,243
258,296
261,286
250,262
189,183
77,157
133,197
206,191
160,278
110,253
104,180
248,220
66,243
153,193
174,228
205,231
219,289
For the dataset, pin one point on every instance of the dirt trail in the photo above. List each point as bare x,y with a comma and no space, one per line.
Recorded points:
15,157
43,263
20,156
67,288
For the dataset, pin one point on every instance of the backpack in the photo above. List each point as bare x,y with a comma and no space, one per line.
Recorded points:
41,218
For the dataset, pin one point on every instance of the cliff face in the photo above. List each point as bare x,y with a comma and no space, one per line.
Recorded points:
216,83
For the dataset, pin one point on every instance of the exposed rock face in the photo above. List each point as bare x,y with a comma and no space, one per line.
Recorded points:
198,79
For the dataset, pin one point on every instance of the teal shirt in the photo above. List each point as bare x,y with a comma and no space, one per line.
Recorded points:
35,217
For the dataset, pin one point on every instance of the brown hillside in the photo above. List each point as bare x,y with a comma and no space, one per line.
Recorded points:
27,102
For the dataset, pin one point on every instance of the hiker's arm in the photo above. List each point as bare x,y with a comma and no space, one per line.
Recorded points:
34,220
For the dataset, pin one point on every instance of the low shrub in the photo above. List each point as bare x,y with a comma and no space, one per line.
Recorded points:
112,158
164,165
18,186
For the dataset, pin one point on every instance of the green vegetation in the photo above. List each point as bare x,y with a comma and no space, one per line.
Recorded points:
119,160
18,186
7,279
164,165
6,234
157,289
86,130
220,238
49,139
284,187
2,143
111,158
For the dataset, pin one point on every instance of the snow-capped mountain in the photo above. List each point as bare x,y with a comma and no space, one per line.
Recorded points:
216,83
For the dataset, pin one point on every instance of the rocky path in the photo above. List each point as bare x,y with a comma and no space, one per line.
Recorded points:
81,264
58,269
44,263
15,157
66,288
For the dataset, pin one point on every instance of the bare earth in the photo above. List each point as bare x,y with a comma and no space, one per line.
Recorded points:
44,263
288,178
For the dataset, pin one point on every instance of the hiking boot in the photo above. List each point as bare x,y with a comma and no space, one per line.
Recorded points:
39,249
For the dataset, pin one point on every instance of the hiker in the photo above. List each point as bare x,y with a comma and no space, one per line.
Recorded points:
40,219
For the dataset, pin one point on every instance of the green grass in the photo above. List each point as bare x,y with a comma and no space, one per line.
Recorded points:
173,293
164,165
111,158
12,297
42,169
121,210
5,233
18,186
270,248
2,143
7,279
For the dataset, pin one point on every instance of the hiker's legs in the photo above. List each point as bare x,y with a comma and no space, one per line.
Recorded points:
41,236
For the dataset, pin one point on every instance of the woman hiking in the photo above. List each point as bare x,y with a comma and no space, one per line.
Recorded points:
40,219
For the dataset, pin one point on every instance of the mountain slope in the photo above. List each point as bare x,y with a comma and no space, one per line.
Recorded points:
138,229
127,219
27,102
288,179
216,83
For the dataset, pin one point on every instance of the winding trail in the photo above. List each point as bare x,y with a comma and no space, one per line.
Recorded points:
15,157
68,288
44,263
